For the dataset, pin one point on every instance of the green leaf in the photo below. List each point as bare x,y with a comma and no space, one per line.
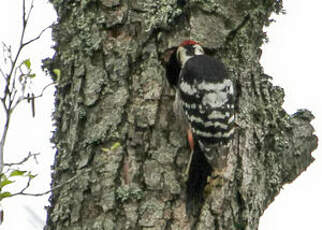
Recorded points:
5,182
27,63
5,195
17,173
57,73
115,146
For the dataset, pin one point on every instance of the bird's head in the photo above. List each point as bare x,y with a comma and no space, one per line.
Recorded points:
186,50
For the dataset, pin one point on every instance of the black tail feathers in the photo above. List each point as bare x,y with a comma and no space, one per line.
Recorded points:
197,180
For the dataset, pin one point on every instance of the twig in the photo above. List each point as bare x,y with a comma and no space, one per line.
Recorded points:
9,100
22,193
2,74
29,12
27,185
4,135
23,160
42,92
32,97
36,38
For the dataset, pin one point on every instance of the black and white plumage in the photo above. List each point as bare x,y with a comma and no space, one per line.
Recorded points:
204,96
204,105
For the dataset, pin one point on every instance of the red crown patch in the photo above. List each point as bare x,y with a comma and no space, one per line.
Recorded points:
188,42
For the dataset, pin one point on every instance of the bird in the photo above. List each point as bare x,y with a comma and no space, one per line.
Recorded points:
204,107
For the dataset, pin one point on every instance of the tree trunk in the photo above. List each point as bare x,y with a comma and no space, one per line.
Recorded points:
120,157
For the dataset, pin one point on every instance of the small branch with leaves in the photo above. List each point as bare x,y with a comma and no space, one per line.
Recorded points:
29,156
15,86
16,79
22,192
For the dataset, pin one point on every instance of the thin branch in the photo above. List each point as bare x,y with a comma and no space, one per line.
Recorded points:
29,12
22,44
3,74
23,160
20,99
13,69
23,13
3,138
12,87
36,38
14,93
31,97
2,99
6,52
22,193
27,185
42,92
9,100
54,188
15,76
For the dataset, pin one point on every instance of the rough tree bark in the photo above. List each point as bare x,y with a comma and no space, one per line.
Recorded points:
112,89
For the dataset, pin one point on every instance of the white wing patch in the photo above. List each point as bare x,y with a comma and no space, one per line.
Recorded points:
216,124
218,115
219,91
207,134
217,86
187,88
195,119
189,106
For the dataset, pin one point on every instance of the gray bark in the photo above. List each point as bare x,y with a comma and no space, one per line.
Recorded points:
113,90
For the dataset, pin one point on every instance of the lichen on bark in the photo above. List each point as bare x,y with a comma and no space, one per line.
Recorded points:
113,90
